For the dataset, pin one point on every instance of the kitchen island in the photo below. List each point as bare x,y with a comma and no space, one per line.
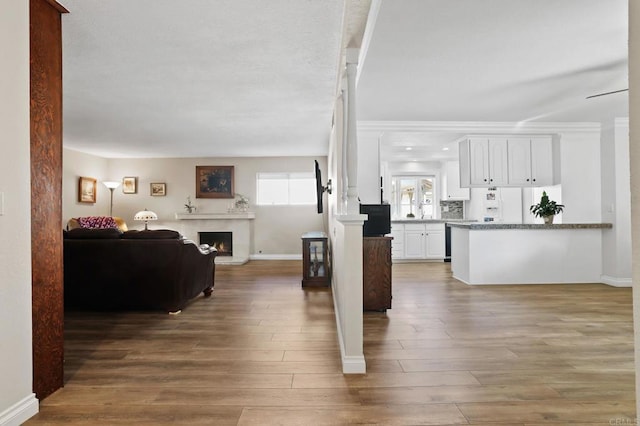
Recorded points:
495,253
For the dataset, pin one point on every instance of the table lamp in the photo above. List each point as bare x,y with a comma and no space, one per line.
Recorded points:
145,215
111,185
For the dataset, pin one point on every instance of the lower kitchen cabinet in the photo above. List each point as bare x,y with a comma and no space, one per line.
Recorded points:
434,243
414,241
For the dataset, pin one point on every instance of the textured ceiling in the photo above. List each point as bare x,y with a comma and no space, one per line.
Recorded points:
161,78
258,78
492,60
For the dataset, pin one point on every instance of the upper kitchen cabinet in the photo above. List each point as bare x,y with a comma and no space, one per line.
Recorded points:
531,161
508,161
483,162
452,191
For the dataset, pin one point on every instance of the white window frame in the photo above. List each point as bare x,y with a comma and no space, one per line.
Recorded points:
293,197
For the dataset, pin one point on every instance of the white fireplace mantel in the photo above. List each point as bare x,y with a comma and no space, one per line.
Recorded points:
215,216
239,224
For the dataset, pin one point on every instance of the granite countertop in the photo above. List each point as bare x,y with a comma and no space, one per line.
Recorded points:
483,226
432,220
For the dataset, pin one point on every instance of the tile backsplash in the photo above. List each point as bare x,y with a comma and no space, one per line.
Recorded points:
452,209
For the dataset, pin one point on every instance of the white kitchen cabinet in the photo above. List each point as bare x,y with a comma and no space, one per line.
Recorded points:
434,241
423,241
452,190
414,244
486,159
530,161
508,161
397,244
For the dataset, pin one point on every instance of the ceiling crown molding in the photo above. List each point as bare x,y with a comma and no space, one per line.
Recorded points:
476,127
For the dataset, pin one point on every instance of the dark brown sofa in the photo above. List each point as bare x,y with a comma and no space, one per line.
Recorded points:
106,269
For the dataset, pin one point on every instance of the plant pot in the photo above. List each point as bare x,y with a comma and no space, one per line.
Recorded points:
548,220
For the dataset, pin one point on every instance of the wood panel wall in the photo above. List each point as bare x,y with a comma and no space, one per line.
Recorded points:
46,195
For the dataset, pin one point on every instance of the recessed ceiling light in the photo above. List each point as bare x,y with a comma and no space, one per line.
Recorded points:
445,149
408,148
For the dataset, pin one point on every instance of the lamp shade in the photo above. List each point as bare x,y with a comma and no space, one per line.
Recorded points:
111,184
145,215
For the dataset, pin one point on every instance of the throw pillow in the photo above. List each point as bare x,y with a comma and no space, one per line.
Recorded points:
97,222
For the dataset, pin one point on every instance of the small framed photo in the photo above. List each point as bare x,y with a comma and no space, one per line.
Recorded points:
214,182
129,185
491,196
158,189
86,190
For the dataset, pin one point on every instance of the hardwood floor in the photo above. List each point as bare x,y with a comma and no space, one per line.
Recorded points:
263,351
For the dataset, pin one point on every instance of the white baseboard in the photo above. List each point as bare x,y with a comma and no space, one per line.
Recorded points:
261,256
616,282
20,412
350,364
354,365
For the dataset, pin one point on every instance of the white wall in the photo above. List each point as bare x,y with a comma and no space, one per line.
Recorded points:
17,401
368,168
277,229
580,176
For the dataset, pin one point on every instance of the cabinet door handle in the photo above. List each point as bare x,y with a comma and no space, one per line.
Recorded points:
485,180
534,180
527,180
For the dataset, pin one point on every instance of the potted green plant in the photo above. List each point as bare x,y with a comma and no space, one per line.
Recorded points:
546,208
190,208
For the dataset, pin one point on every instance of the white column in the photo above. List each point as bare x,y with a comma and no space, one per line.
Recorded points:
634,148
352,133
345,118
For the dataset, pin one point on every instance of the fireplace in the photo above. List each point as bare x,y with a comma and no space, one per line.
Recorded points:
222,241
240,224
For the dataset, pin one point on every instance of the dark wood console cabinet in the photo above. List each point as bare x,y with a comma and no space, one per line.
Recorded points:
376,273
315,260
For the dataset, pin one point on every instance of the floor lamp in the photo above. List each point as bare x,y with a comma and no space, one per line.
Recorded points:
111,185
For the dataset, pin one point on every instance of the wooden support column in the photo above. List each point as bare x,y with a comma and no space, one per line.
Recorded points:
46,195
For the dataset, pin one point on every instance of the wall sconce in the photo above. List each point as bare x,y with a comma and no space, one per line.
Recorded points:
111,185
145,215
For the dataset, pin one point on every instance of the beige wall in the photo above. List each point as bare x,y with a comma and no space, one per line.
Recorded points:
17,401
277,229
634,149
74,165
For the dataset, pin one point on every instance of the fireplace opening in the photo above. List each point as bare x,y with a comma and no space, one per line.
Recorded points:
222,241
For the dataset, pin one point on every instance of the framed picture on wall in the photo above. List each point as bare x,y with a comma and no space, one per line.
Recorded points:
214,182
158,189
86,190
129,185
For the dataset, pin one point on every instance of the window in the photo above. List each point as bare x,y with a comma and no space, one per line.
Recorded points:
285,189
413,196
